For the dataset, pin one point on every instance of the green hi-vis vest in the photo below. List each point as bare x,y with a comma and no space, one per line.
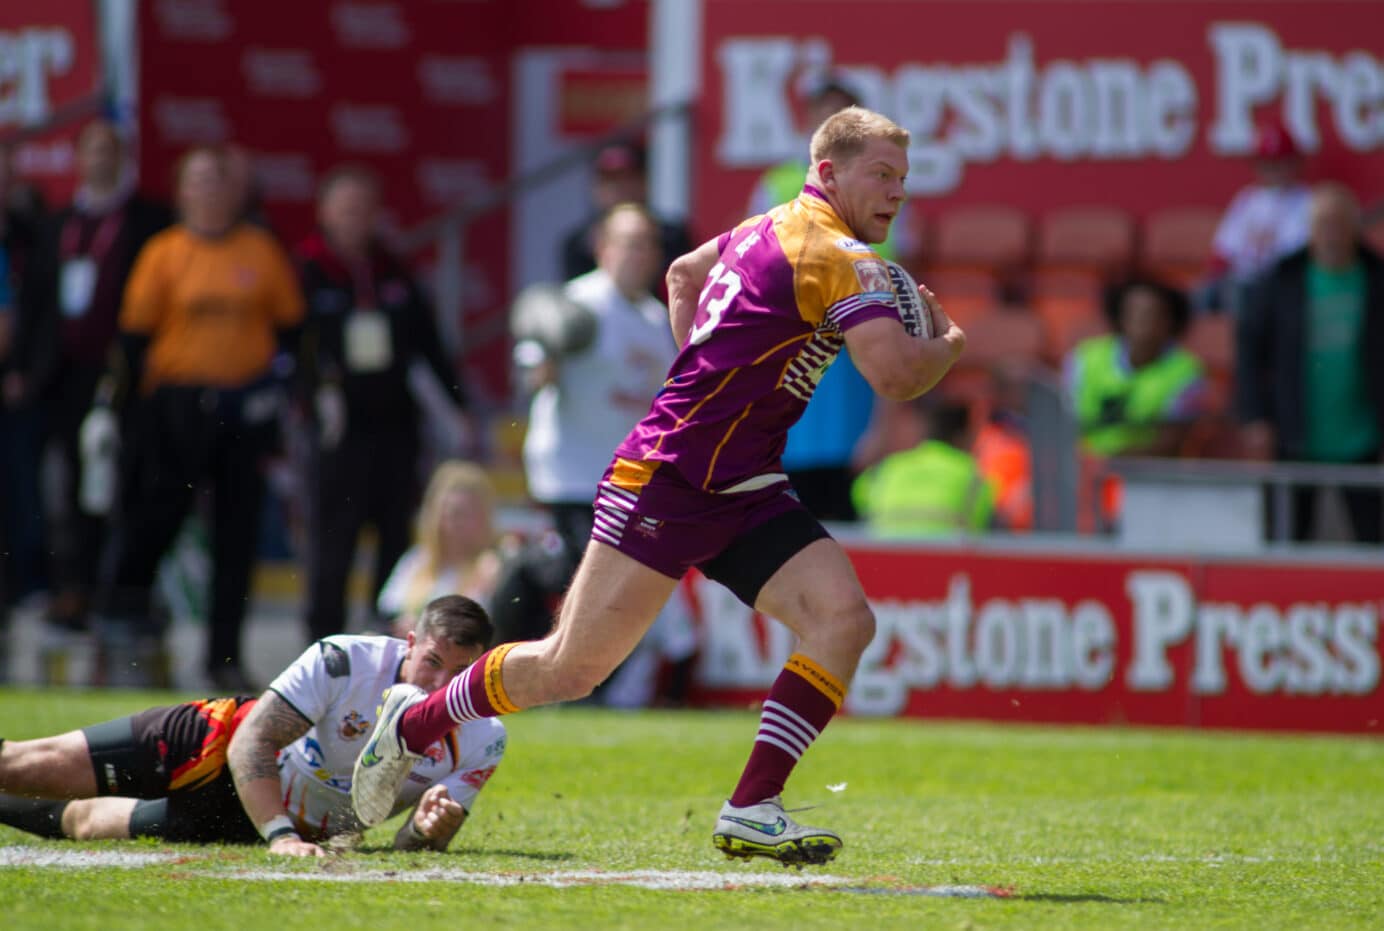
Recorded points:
931,489
1119,408
785,181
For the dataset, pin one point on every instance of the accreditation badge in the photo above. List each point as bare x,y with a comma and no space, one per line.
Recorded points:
368,344
76,284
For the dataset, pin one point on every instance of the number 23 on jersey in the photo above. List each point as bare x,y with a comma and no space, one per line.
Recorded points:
728,283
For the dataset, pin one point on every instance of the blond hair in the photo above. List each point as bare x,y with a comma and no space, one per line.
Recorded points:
451,475
843,135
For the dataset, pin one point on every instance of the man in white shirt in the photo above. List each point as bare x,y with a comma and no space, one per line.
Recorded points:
233,770
1266,220
584,403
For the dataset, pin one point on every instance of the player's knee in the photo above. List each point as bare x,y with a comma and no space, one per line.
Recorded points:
573,684
22,762
856,626
79,820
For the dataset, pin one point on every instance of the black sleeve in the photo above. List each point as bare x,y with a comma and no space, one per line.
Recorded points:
1253,346
127,366
677,242
576,253
36,308
424,327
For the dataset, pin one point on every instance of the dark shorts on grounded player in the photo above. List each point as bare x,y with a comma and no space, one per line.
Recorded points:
648,512
173,759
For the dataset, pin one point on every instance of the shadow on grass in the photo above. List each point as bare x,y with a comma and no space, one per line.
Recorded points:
541,855
1073,898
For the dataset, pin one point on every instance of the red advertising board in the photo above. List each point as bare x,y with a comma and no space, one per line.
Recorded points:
305,86
419,91
996,635
1140,104
50,70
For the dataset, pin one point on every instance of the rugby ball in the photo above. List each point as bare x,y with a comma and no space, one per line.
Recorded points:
544,314
909,302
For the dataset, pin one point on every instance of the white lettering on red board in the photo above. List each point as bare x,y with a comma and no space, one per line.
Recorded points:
29,60
1049,644
1094,109
1304,648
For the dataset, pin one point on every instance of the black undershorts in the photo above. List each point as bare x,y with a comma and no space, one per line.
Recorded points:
173,759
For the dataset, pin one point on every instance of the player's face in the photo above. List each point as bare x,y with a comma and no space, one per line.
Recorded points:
868,190
466,521
1145,323
432,663
202,192
628,251
98,155
348,213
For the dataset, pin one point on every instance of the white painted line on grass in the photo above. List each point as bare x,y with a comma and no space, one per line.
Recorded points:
58,858
346,871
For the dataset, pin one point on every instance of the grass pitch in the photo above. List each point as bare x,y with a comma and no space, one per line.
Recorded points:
1087,828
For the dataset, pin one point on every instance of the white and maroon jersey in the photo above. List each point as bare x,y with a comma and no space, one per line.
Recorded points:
1262,224
771,318
337,684
600,392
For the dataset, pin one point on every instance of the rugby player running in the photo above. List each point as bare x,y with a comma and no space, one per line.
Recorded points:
758,314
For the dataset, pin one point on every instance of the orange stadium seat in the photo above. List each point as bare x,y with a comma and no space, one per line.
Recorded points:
1067,320
965,293
995,238
1004,336
1176,245
1099,239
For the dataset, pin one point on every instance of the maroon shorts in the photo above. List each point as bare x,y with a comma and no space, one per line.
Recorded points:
739,540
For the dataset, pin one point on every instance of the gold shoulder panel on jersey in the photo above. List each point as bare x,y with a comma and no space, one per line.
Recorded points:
829,263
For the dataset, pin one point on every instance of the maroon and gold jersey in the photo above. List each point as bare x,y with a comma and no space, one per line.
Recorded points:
769,321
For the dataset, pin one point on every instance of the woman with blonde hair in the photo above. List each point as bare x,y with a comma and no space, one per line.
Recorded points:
454,550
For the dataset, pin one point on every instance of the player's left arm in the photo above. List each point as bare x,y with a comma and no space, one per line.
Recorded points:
433,823
252,757
686,276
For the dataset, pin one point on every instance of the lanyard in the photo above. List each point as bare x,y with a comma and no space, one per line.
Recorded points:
363,277
100,241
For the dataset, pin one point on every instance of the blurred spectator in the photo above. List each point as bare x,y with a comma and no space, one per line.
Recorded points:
619,177
588,394
244,186
1003,450
1309,379
21,525
198,327
1136,391
9,397
368,323
454,550
817,456
1265,221
77,274
934,488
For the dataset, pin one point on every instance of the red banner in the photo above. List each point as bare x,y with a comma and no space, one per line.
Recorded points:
1155,103
399,87
422,92
1086,639
50,70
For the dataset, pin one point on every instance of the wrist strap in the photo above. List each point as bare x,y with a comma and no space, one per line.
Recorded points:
277,827
414,833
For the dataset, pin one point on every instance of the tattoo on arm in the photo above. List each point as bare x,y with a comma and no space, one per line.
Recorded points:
272,724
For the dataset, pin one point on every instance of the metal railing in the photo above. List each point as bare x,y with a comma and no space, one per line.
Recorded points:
1277,479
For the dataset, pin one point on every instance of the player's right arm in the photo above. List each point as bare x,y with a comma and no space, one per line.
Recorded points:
252,756
686,276
897,366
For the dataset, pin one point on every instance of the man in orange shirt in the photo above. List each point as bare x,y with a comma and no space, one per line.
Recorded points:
207,307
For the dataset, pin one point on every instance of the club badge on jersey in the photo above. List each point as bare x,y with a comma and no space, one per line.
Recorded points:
909,302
